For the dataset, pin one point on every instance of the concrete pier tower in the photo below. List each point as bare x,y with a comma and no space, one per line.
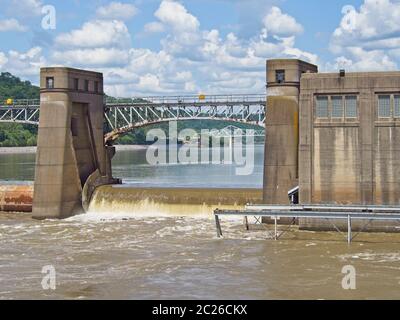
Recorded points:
282,128
71,157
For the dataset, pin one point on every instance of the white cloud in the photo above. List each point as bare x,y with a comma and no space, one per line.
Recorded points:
361,60
190,60
117,10
193,60
98,44
3,59
148,82
367,39
176,16
25,8
154,27
11,25
282,47
95,34
250,15
92,57
281,24
145,60
23,64
376,20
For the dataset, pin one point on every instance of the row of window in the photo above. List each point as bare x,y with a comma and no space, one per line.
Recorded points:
346,106
336,106
50,84
86,85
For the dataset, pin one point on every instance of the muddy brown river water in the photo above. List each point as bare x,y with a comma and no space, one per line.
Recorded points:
146,254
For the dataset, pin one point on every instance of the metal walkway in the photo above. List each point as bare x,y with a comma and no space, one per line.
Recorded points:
346,213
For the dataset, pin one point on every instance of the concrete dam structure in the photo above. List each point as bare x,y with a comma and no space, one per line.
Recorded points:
281,167
71,158
120,199
331,136
334,135
170,201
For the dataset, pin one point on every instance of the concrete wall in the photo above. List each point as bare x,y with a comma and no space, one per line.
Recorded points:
282,130
349,160
70,141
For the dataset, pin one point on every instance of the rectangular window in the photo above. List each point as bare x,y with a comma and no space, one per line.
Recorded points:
50,82
337,106
384,106
397,106
86,85
74,127
76,84
351,107
96,86
280,76
322,107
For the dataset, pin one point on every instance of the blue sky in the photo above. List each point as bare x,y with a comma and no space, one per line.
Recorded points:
165,47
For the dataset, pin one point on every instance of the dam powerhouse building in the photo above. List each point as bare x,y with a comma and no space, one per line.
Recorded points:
334,135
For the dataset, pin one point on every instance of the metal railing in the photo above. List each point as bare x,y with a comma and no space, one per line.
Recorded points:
188,100
326,212
33,103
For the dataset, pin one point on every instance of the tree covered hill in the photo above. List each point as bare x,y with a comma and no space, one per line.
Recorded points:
13,87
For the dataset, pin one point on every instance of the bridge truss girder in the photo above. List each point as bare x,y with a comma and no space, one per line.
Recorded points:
25,115
122,119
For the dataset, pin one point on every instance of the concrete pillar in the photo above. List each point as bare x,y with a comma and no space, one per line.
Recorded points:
70,145
282,128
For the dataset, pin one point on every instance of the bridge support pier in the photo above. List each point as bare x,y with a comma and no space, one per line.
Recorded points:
70,150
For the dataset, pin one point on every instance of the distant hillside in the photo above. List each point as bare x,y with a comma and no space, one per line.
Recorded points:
13,87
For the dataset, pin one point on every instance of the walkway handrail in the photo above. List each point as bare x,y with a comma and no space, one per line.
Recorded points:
276,214
365,208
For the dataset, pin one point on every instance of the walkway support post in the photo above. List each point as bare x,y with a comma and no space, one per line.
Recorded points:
218,225
348,229
246,222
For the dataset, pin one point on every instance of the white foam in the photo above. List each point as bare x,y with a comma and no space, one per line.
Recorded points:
94,216
374,257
